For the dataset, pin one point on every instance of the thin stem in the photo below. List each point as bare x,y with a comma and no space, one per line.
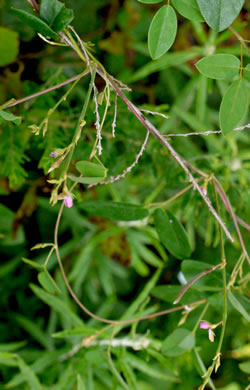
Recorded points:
79,124
239,37
228,206
34,95
176,196
216,361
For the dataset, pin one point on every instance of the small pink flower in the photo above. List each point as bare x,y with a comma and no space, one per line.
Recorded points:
53,154
68,201
204,190
205,325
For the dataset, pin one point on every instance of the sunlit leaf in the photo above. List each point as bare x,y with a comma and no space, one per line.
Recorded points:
189,9
162,31
219,66
172,234
36,23
233,106
220,14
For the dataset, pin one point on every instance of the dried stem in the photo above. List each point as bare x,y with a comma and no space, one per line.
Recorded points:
112,179
208,132
239,37
34,95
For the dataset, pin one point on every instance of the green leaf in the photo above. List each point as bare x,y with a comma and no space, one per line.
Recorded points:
80,383
210,282
172,234
246,72
7,116
219,66
140,365
238,305
9,46
189,9
56,14
90,169
162,31
36,23
163,63
178,342
114,210
83,331
49,10
150,1
233,106
30,376
245,367
63,19
48,283
168,293
86,180
220,14
58,305
37,266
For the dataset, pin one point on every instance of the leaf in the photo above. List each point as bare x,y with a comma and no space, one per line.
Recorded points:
49,10
140,365
238,305
48,283
86,180
166,61
36,23
233,106
219,66
245,367
210,282
7,116
30,376
9,46
162,31
114,210
90,169
172,234
58,305
178,342
169,293
220,14
63,19
33,264
80,384
83,331
189,9
150,1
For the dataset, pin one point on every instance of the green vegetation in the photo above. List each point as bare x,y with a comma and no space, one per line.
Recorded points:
124,179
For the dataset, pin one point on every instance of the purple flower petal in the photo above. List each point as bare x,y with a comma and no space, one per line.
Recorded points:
204,325
68,201
53,154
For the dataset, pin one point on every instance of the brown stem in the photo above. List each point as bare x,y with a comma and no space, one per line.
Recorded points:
34,4
239,37
34,95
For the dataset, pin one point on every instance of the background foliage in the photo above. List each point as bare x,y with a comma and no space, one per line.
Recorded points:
120,260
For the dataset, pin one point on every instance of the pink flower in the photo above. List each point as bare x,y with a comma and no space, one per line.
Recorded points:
205,325
53,154
68,201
